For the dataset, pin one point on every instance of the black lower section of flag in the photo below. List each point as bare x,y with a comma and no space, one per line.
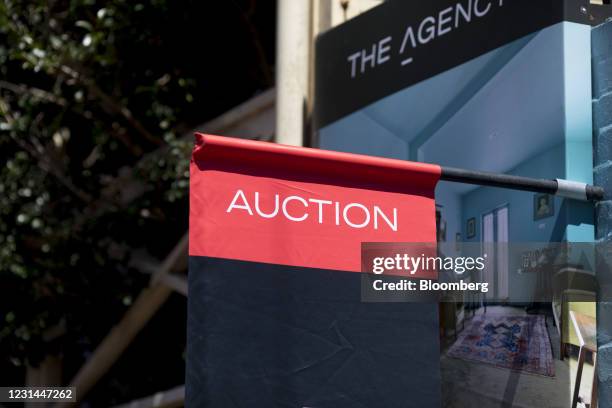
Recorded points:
263,335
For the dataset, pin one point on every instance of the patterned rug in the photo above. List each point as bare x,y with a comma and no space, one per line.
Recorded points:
516,342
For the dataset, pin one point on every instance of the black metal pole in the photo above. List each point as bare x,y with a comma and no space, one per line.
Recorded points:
574,190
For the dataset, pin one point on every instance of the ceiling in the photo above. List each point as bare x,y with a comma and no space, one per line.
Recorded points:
489,114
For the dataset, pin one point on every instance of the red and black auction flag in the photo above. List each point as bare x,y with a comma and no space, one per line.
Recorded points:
275,313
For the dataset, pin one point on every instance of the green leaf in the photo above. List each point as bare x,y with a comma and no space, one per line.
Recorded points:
84,25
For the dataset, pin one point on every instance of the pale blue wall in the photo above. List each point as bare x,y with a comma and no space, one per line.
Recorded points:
578,125
522,227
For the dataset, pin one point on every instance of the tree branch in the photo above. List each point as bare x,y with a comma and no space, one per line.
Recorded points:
112,106
36,92
43,161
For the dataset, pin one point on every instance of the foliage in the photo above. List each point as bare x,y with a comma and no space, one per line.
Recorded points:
94,98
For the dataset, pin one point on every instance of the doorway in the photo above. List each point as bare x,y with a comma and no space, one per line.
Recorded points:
494,242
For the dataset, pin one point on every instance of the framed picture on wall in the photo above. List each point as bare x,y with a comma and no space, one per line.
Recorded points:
543,206
471,228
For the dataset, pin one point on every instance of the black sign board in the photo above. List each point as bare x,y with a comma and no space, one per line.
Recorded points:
401,43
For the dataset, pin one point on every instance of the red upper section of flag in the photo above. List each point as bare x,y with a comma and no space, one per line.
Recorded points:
271,203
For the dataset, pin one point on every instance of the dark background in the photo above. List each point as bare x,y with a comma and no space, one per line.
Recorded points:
69,70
